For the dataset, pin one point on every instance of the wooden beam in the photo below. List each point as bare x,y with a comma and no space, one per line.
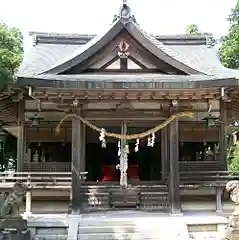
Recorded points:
110,95
160,64
123,64
69,92
108,63
98,57
140,64
116,97
164,152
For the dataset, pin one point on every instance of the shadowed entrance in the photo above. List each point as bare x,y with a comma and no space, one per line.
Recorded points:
101,163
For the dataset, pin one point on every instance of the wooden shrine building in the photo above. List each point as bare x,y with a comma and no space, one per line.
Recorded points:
125,81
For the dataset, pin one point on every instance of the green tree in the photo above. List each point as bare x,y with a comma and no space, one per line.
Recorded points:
229,51
11,52
193,29
233,159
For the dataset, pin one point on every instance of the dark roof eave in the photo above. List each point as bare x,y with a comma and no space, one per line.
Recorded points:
130,27
118,26
63,38
109,36
128,84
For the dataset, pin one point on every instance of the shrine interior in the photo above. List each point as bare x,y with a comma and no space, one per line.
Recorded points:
101,163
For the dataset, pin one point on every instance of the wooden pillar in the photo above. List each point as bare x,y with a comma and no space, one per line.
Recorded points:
76,164
83,148
174,174
20,136
223,132
223,149
164,152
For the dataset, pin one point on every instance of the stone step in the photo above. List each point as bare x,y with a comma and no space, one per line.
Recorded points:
134,234
51,237
106,229
100,224
115,236
135,229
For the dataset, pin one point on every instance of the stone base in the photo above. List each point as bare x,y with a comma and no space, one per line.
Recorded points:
13,222
15,236
13,227
232,232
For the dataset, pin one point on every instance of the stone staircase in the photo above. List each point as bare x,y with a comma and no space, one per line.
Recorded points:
127,225
131,226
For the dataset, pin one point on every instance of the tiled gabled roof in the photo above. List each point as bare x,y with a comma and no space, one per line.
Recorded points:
54,52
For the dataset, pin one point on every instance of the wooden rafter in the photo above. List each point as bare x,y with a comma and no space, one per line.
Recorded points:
8,110
137,62
109,63
66,97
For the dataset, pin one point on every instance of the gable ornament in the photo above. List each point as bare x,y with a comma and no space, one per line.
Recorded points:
123,47
124,14
125,11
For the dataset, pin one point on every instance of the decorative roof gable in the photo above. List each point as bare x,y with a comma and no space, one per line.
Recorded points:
124,23
58,53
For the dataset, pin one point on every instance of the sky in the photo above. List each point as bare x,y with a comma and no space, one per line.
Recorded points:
93,16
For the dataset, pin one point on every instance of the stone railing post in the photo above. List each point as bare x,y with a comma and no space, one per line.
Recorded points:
28,210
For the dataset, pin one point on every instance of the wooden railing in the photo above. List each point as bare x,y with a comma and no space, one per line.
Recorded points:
66,166
207,178
60,180
47,167
201,166
63,179
36,179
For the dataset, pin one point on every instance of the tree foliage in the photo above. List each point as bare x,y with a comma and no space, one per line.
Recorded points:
11,52
233,159
229,52
193,29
